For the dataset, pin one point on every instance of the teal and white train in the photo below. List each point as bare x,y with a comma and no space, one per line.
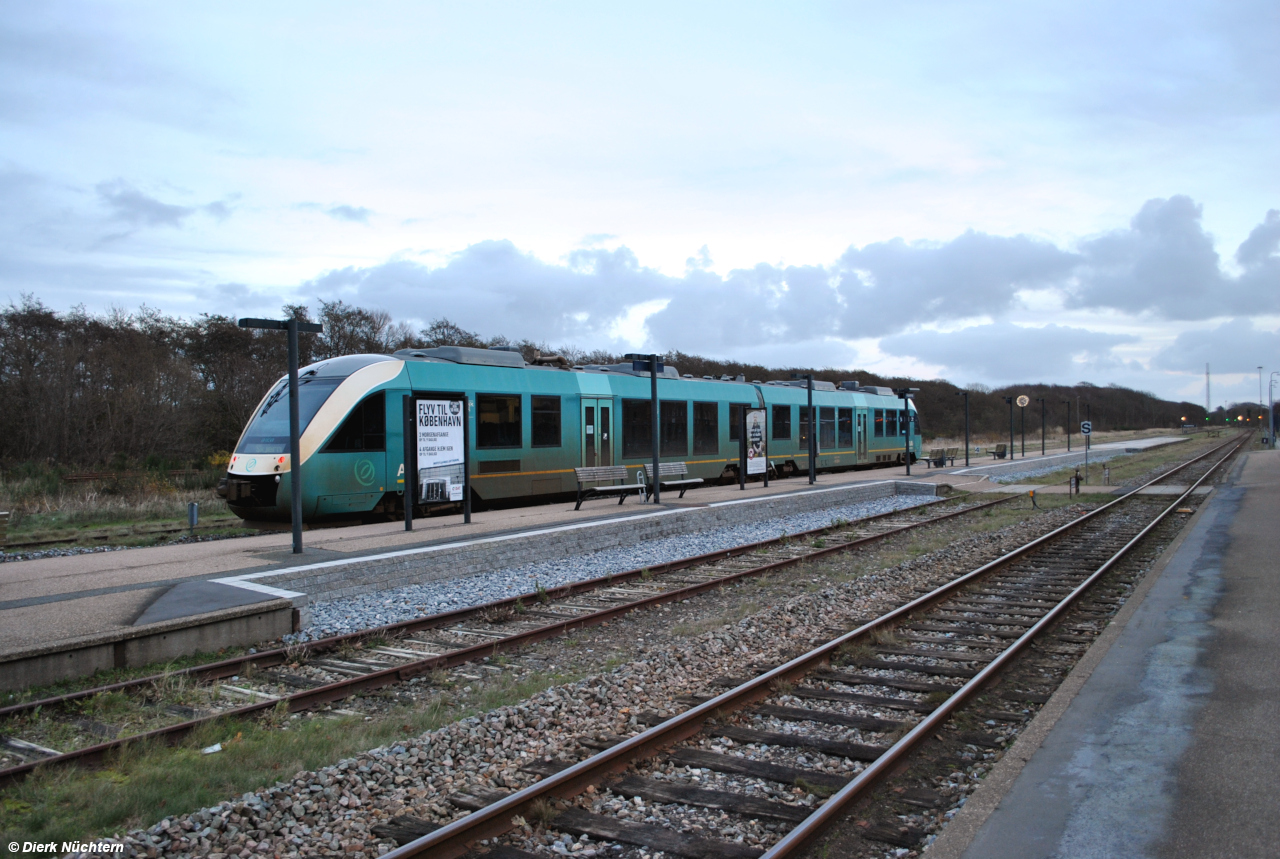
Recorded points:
530,425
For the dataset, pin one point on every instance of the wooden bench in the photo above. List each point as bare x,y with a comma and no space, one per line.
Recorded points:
999,451
671,475
604,474
952,453
937,458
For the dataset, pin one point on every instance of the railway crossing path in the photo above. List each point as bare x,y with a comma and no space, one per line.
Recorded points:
1163,741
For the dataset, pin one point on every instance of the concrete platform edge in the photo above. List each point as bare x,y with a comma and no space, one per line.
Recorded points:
957,836
145,645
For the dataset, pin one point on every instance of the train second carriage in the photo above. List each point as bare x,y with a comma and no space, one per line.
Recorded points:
530,425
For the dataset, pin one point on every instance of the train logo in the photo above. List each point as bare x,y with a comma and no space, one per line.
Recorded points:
251,464
455,406
364,472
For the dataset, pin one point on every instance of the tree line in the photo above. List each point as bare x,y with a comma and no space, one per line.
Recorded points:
83,390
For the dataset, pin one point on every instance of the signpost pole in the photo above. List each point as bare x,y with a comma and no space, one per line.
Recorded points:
1067,403
410,459
653,396
813,434
1086,430
466,460
765,442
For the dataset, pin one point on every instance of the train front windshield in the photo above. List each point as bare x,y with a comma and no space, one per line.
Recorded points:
269,430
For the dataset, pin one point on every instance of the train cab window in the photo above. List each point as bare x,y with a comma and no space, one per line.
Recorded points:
497,421
637,428
827,427
844,424
879,423
915,419
781,423
364,429
546,421
673,422
890,423
706,428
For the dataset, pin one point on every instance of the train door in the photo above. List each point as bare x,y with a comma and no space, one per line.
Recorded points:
597,435
862,435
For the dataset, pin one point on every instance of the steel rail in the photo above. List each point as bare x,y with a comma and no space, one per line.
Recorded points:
311,698
278,656
454,839
811,826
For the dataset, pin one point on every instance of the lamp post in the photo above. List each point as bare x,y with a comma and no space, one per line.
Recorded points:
965,394
1012,448
1271,412
1067,403
292,326
1040,400
906,394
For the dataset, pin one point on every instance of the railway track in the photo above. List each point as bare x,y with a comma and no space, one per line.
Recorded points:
317,674
783,754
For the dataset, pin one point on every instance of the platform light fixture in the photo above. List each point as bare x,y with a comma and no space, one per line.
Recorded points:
293,327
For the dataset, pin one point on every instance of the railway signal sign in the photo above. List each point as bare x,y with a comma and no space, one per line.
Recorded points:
1086,427
1024,401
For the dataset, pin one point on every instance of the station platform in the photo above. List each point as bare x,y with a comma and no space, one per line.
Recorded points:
137,606
60,616
1163,741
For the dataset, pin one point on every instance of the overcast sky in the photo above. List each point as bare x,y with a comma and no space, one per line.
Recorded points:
987,192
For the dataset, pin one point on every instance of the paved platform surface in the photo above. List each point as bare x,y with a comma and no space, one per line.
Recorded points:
1171,747
51,599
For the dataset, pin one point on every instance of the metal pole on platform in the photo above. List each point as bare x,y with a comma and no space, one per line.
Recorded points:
653,396
813,434
291,327
1067,403
1041,401
965,394
409,423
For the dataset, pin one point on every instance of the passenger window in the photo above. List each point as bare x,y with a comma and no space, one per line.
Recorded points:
735,418
781,423
706,428
673,420
546,421
845,426
827,427
879,423
365,429
497,421
637,428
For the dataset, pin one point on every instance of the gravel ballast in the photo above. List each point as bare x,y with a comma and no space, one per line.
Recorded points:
334,810
351,614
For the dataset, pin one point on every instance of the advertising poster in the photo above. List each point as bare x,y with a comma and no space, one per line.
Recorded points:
757,451
441,446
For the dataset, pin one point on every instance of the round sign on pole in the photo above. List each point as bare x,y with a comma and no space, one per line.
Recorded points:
1086,427
1023,401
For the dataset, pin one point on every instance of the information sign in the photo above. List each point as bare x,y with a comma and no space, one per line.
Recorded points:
1023,401
757,445
441,449
1086,427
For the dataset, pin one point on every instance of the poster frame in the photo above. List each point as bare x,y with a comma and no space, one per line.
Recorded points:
409,426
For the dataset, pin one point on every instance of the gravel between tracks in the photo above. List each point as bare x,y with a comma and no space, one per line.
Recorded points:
1016,476
332,811
351,614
